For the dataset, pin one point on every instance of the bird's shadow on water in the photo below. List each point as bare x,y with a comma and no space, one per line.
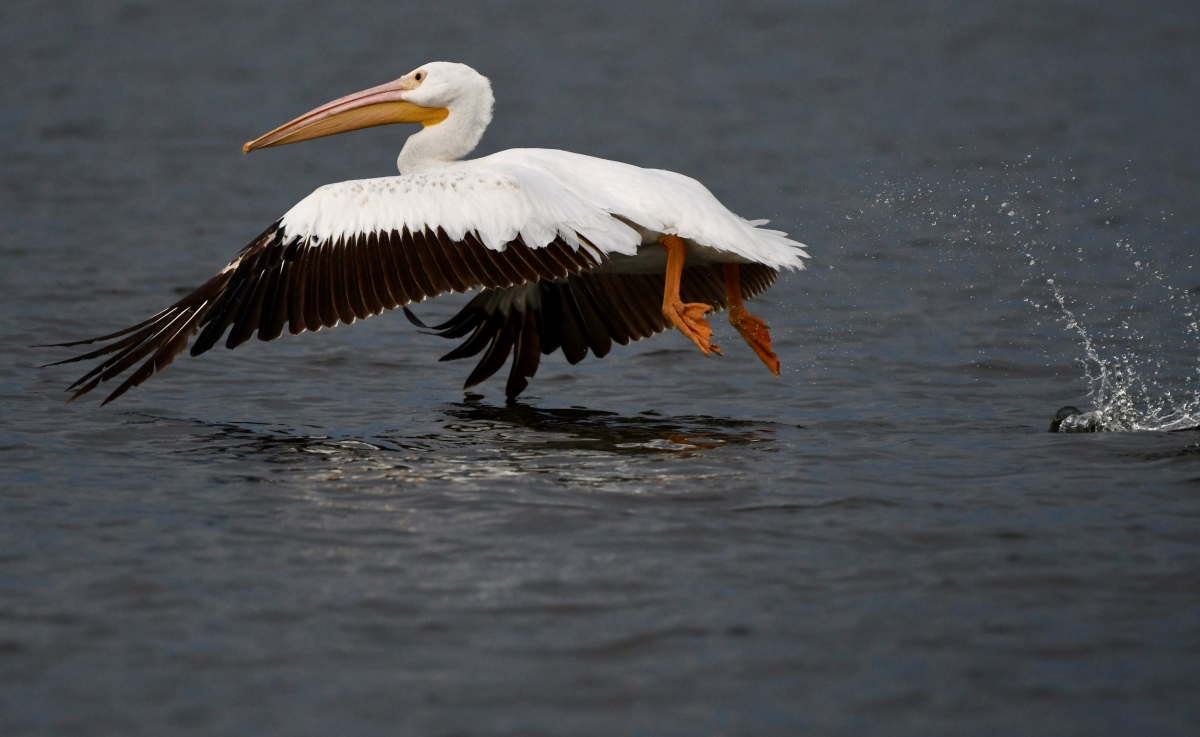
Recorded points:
463,428
579,428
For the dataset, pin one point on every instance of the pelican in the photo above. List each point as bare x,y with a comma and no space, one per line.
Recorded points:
567,251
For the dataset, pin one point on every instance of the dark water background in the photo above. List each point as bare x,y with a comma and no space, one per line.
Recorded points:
320,536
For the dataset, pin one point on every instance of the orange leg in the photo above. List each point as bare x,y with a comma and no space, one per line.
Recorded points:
752,328
689,318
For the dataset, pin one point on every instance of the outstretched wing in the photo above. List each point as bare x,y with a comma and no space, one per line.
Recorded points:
580,312
307,283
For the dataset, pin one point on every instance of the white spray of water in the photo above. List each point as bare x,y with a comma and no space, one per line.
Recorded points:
1140,351
1126,390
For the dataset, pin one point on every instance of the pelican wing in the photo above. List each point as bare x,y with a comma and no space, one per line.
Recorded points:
303,283
581,312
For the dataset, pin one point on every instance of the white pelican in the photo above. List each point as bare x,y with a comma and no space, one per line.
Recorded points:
569,251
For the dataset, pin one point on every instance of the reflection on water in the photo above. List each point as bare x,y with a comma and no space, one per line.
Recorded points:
578,428
471,442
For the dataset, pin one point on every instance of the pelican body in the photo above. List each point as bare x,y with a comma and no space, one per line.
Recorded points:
566,251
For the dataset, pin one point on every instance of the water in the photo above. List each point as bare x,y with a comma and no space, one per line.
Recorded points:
321,535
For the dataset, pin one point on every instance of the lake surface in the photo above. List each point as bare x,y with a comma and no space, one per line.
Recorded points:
322,535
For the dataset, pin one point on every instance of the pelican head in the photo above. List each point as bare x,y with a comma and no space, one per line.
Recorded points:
452,102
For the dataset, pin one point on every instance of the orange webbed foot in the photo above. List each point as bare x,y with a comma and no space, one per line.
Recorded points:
689,319
756,334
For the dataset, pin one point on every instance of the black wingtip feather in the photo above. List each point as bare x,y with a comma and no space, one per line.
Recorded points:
478,340
414,319
526,357
495,357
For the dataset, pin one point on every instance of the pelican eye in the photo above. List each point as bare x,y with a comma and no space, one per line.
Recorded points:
420,76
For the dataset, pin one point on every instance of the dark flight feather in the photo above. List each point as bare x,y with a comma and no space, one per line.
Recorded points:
281,280
581,313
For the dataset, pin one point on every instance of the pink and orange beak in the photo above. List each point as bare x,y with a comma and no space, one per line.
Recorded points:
382,105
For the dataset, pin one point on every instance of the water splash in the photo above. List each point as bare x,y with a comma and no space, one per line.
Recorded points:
1133,309
1131,391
